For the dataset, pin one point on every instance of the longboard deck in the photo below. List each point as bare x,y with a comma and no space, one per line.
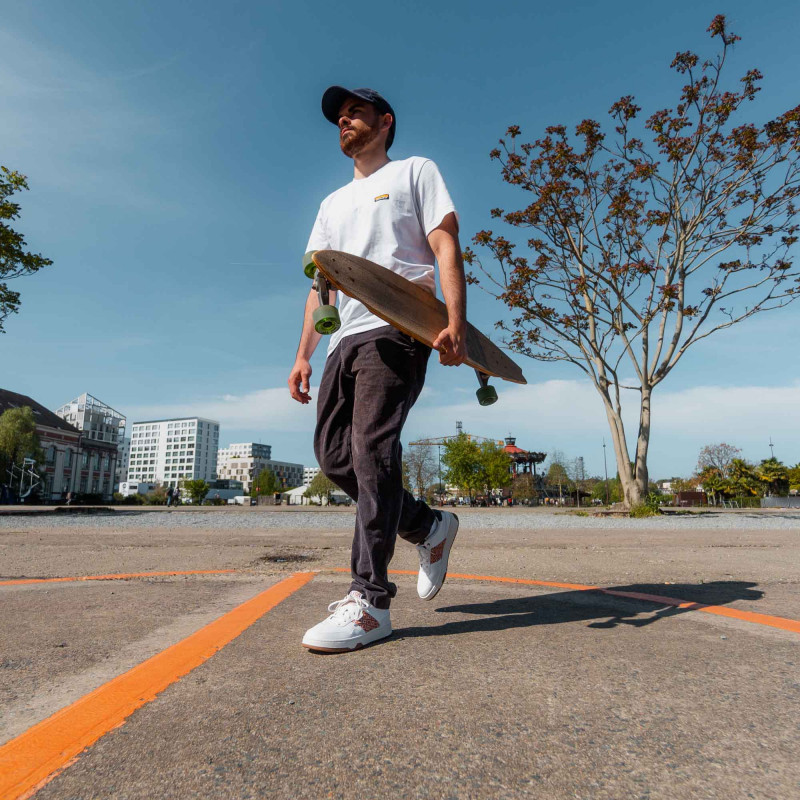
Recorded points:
410,308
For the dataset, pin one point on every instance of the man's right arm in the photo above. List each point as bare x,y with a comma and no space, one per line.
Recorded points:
300,376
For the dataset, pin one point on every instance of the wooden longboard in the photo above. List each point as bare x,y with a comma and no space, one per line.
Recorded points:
410,308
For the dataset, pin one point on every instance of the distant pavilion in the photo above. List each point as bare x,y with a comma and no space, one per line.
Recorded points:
522,461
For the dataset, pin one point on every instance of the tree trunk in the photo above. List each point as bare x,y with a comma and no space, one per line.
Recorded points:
641,477
630,490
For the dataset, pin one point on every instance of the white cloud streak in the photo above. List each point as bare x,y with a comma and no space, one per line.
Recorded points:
562,414
264,409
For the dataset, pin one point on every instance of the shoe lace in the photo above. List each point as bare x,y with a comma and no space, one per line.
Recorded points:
348,609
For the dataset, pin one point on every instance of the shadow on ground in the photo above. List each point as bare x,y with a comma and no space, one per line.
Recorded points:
602,610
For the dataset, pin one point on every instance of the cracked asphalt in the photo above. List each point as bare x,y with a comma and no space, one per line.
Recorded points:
491,690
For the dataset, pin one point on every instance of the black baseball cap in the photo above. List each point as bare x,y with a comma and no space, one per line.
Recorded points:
336,95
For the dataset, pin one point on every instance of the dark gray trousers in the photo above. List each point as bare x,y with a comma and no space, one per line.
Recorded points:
370,382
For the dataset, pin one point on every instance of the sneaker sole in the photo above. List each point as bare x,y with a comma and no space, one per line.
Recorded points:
446,557
330,647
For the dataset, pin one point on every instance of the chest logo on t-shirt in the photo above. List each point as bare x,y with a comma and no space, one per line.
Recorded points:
382,197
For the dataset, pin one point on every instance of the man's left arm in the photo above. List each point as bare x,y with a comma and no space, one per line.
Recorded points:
452,341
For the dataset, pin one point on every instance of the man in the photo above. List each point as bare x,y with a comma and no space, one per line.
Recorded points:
400,215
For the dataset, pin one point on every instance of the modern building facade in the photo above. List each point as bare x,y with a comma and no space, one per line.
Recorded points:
290,475
169,451
309,473
73,462
123,458
98,421
245,460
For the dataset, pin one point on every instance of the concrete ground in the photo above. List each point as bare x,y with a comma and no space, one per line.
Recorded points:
491,690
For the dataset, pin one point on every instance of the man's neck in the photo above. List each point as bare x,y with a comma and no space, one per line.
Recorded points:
369,162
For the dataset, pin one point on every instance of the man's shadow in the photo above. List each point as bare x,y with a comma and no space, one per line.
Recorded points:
603,610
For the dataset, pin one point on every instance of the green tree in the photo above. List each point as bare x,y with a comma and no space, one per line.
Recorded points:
614,491
712,482
646,239
461,459
794,478
743,480
15,261
197,490
523,487
320,487
267,483
18,440
494,467
774,476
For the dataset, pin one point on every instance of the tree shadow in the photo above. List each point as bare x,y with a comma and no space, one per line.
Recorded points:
599,609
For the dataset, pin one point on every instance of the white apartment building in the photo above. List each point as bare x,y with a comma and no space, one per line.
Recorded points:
168,451
309,473
245,460
98,421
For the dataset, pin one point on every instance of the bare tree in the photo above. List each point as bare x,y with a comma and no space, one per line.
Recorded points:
639,251
422,468
718,457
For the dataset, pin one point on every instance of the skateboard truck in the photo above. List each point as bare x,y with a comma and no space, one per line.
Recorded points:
487,395
325,316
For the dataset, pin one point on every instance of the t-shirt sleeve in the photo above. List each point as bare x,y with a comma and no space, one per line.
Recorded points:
319,236
433,199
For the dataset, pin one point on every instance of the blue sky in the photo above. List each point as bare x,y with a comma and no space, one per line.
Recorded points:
177,156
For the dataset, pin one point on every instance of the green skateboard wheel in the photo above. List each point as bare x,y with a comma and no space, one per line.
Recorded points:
326,320
487,395
309,267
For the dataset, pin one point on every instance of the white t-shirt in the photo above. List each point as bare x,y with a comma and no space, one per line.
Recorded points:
386,218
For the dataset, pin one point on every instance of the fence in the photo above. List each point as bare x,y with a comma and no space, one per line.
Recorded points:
781,502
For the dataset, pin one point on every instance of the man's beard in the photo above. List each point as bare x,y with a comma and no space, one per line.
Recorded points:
353,145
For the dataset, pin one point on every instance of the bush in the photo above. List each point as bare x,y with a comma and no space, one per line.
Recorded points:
158,497
642,510
129,500
654,501
91,499
649,508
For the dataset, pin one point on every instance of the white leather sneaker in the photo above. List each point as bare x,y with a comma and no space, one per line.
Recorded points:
353,624
434,553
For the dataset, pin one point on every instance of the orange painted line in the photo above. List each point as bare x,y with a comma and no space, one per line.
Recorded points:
492,578
43,750
122,576
782,623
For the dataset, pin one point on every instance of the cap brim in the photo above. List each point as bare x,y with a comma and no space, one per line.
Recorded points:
332,101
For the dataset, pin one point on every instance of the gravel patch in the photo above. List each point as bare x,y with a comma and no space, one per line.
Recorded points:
485,519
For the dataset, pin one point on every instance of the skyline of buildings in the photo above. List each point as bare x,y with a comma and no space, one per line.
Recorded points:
86,451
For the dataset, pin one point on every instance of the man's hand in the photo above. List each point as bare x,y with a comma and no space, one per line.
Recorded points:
452,345
299,379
